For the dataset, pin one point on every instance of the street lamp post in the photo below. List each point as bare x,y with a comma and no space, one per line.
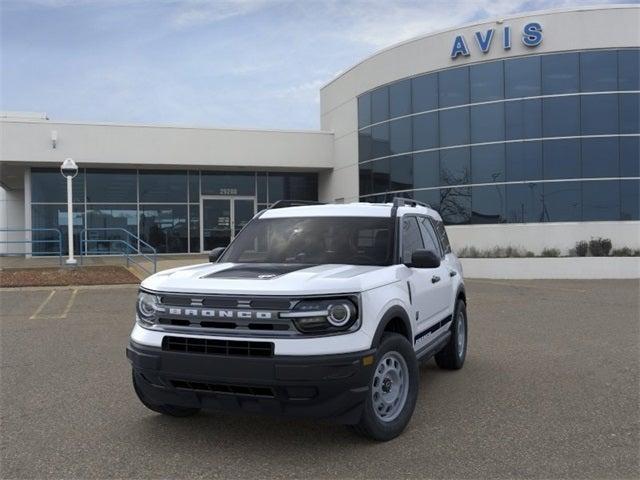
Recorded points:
69,169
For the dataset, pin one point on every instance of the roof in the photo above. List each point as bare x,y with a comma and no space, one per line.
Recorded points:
361,209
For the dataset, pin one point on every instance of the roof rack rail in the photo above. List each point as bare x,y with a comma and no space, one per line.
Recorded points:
407,202
294,203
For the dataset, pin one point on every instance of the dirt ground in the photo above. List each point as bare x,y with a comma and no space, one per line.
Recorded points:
55,276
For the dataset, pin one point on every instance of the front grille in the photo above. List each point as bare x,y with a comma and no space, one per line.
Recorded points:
208,346
220,388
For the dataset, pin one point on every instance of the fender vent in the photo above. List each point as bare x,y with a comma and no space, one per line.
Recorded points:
208,346
219,388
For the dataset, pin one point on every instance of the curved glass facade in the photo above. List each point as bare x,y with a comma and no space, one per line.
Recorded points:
541,138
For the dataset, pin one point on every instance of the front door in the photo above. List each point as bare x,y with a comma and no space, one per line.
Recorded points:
222,218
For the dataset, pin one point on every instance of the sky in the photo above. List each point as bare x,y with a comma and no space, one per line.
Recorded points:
219,63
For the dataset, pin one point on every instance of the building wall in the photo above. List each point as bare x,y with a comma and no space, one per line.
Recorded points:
11,217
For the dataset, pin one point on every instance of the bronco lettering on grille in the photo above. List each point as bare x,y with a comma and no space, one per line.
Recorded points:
218,313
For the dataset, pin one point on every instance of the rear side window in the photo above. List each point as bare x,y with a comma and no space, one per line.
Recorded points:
442,235
411,238
429,236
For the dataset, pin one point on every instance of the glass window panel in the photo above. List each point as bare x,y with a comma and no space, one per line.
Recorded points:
380,141
380,173
430,197
453,87
630,156
629,70
365,144
112,186
524,203
194,186
424,92
49,186
630,199
429,236
228,183
114,218
380,105
425,131
600,157
560,73
522,77
562,202
400,135
523,161
629,113
411,238
364,110
561,116
455,166
53,216
488,204
401,172
194,227
487,81
599,114
487,164
455,205
400,98
261,185
366,179
426,169
601,200
163,186
165,227
454,127
599,71
523,119
293,186
561,159
487,123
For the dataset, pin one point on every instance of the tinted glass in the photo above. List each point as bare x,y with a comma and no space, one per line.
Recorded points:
194,227
381,169
629,70
455,166
313,241
560,73
630,156
453,87
430,197
524,203
106,186
380,105
629,113
400,135
599,114
366,179
194,186
364,110
487,123
562,202
426,169
365,144
561,159
400,98
523,161
488,204
442,233
522,77
601,200
53,216
163,186
261,186
487,81
454,127
599,71
401,172
227,183
600,157
630,200
455,205
523,119
293,186
115,218
380,141
561,116
48,185
487,164
429,237
165,227
425,131
411,238
424,92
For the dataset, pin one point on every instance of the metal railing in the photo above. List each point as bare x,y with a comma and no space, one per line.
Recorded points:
33,241
130,247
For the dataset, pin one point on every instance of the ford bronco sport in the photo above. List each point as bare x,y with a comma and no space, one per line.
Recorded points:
318,311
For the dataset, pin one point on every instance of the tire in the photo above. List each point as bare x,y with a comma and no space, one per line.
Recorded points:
170,410
395,354
452,356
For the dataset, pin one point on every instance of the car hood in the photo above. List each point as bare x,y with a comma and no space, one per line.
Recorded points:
271,279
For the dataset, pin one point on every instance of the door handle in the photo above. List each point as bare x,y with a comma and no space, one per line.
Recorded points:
435,279
452,273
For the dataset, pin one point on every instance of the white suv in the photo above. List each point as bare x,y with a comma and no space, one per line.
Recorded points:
316,310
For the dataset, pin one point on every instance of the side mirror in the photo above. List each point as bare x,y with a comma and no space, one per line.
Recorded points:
215,254
424,259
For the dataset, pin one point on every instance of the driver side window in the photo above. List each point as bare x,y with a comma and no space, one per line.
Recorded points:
411,238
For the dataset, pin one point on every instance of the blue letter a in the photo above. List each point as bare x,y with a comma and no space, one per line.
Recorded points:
484,42
459,47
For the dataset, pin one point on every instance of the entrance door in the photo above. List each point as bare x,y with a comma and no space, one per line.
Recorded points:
221,218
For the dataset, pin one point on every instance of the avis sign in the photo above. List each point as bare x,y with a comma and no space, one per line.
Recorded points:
531,37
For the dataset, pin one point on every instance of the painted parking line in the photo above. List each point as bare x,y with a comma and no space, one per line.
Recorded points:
39,315
42,305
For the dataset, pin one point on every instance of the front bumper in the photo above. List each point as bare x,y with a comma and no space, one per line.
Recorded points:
319,386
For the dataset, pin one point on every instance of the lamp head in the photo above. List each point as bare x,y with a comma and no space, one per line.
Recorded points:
69,169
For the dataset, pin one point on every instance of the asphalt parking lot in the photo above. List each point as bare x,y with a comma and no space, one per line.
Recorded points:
550,390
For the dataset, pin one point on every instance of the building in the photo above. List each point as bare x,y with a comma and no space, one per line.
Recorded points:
522,131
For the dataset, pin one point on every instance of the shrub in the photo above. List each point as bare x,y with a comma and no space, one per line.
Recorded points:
600,247
582,248
550,252
625,252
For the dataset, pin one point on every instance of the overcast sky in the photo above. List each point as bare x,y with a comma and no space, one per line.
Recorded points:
245,63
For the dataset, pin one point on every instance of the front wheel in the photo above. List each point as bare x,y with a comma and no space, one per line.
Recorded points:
452,356
393,390
170,410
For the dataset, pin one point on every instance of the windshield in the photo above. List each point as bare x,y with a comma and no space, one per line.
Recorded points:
314,240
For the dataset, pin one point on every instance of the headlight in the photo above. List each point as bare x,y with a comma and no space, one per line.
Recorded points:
325,315
146,307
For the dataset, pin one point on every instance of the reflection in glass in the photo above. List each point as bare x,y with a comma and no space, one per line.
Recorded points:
380,141
453,87
630,156
381,175
455,205
560,73
426,169
53,216
523,119
430,197
523,161
522,77
400,98
364,145
424,92
600,157
487,81
599,114
488,204
163,186
455,166
601,200
562,202
194,227
598,71
425,131
487,123
293,186
629,69
630,200
401,172
400,135
629,113
524,203
112,186
561,159
561,116
487,164
366,179
48,185
364,110
115,219
216,223
194,186
165,227
380,105
454,127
